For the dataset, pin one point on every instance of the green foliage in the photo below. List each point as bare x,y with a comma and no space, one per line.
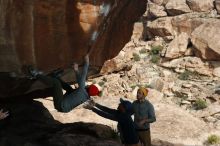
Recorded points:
185,75
155,58
101,83
104,79
136,57
133,86
143,51
155,50
184,97
200,104
147,86
213,139
100,93
155,53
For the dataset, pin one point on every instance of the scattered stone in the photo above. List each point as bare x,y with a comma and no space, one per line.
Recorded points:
183,102
177,7
187,85
210,119
194,64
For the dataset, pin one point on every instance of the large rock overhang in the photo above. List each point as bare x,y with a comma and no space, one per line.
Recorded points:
53,34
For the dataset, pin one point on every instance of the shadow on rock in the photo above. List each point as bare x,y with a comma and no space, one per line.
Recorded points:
31,124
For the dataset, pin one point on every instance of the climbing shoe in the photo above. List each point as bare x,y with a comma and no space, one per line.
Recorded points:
33,72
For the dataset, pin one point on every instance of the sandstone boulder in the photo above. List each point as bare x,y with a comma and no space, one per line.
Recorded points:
158,2
217,5
188,22
177,7
53,34
200,6
172,26
175,121
178,46
205,39
155,11
160,27
216,70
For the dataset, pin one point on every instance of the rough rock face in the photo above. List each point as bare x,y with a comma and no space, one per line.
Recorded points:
160,27
205,39
193,64
216,70
217,5
53,34
156,11
160,2
178,46
200,6
187,22
177,7
167,26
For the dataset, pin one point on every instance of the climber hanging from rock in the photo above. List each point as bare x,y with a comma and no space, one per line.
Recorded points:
73,97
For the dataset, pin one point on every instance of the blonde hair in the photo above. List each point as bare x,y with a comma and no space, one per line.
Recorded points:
143,90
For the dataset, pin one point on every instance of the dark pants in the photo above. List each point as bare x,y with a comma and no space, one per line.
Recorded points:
57,85
65,86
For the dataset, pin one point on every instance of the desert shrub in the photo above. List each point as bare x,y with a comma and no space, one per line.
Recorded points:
155,58
104,79
147,86
184,97
133,86
155,53
200,104
101,93
156,50
213,139
185,75
143,51
136,57
101,83
189,74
